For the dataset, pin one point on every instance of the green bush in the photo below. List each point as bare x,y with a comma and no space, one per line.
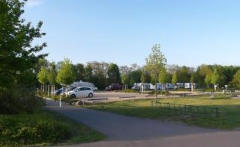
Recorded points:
36,128
19,100
159,92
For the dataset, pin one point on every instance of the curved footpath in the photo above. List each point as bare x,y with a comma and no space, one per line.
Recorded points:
131,131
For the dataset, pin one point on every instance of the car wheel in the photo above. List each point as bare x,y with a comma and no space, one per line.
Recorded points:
73,96
90,95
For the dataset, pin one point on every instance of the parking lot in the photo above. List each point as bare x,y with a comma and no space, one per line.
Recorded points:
107,96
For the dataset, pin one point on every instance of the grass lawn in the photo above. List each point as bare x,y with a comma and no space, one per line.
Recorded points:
43,128
229,117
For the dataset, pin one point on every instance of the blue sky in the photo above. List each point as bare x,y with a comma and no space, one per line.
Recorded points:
191,32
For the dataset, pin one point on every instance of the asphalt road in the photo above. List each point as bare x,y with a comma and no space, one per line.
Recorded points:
131,131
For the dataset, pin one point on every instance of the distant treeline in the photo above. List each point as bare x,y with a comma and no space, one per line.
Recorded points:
102,74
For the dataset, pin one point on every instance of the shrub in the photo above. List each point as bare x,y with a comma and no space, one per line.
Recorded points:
19,100
36,128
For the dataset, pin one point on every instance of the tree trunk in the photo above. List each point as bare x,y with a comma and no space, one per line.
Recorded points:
48,90
156,88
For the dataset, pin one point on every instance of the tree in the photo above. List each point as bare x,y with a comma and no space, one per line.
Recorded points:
135,77
80,72
52,75
154,63
208,79
43,77
66,74
125,80
163,75
113,74
17,54
98,73
215,78
236,79
88,73
184,75
175,78
145,77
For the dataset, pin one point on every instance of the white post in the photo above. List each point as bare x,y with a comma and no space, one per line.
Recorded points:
60,102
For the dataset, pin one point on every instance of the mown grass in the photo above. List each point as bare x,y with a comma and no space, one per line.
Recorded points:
229,117
43,128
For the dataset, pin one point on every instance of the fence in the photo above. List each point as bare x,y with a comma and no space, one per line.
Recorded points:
193,111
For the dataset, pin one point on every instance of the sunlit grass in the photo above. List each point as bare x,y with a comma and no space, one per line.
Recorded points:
229,110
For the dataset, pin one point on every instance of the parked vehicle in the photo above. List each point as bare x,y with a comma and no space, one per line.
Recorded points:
136,86
86,84
145,86
81,92
58,91
188,86
180,85
114,86
64,90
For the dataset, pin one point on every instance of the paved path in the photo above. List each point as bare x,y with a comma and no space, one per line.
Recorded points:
131,131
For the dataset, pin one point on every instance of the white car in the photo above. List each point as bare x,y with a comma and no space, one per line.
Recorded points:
81,92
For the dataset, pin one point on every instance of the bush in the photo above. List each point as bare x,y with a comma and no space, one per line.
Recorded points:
159,92
37,128
19,100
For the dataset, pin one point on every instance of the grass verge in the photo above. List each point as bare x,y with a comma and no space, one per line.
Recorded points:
43,128
229,117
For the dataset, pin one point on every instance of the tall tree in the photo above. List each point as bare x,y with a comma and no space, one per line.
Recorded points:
155,62
80,72
17,54
52,75
184,75
175,78
88,73
208,79
113,74
145,77
163,77
135,77
43,77
66,75
216,78
236,79
125,80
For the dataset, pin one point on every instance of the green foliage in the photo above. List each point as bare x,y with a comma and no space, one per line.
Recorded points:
66,73
125,79
80,72
155,61
184,75
43,75
236,79
215,77
52,74
17,54
97,74
145,77
175,78
42,127
88,73
19,100
135,77
113,74
208,79
163,76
